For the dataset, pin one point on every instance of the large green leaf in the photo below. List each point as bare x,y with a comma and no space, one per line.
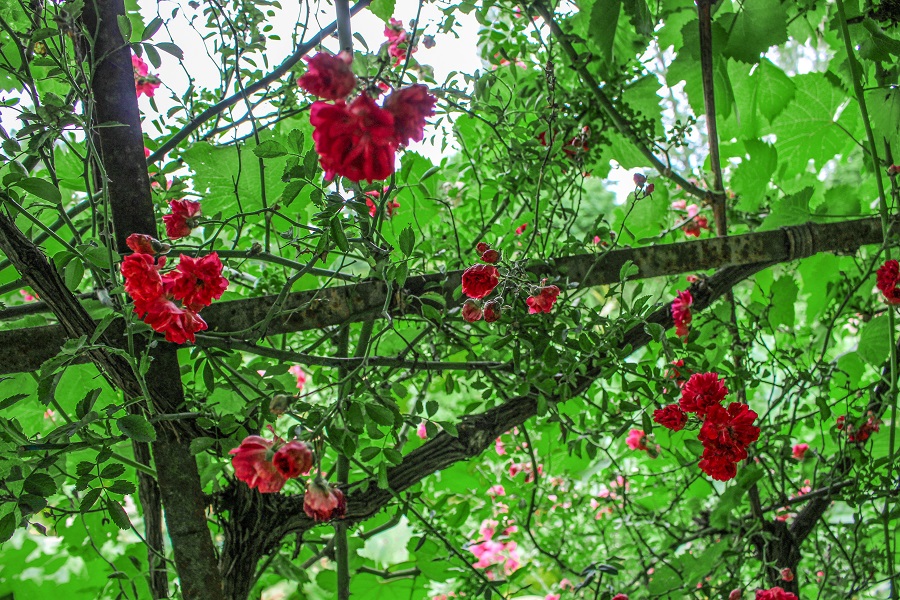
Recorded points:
757,26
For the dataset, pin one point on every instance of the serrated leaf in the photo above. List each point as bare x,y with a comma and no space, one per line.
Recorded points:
368,454
754,29
170,48
7,526
201,444
7,402
270,149
407,241
112,470
380,414
40,484
337,234
784,298
602,28
121,486
383,9
124,27
790,210
117,514
137,428
151,28
291,190
90,499
87,403
874,341
41,188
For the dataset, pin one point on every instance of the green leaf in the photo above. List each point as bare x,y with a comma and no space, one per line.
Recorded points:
201,444
751,178
784,298
337,234
640,16
121,486
40,484
151,29
87,403
112,470
807,129
124,27
790,210
380,414
7,402
773,89
117,514
604,20
270,149
7,526
383,9
90,498
152,56
407,241
74,273
137,428
759,25
875,342
41,188
170,48
291,190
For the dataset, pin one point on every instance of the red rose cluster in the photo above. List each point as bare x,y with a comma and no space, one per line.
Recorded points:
888,276
725,432
194,283
266,465
681,313
543,299
359,140
390,207
858,434
144,82
575,148
697,222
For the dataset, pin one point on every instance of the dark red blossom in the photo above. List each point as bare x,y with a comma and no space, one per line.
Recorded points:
253,467
521,228
718,467
481,247
143,244
671,417
329,76
410,106
542,301
182,219
490,256
888,276
681,312
775,593
727,432
702,391
197,282
479,280
492,311
144,82
355,141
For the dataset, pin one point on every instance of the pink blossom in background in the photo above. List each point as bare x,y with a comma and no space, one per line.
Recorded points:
551,597
496,490
421,431
27,297
799,450
499,447
487,529
635,440
297,371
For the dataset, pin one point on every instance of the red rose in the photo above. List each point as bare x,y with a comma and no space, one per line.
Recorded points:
490,256
481,247
164,316
671,417
410,106
182,219
728,432
252,466
390,207
322,501
355,141
479,280
142,278
142,244
799,451
775,593
471,312
888,276
329,76
702,391
197,282
718,467
293,459
543,301
521,228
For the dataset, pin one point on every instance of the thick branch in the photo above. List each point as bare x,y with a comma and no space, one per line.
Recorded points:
25,350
